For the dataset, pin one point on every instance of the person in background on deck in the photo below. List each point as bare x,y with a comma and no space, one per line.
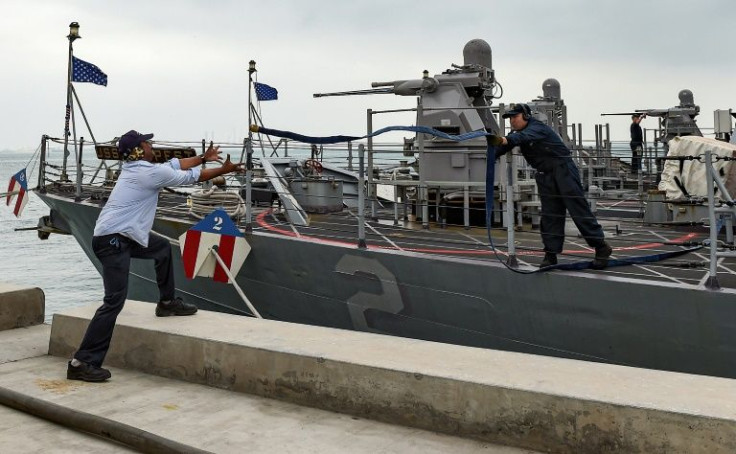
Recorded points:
558,182
637,142
123,231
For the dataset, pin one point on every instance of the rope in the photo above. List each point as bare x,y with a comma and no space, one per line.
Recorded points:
205,200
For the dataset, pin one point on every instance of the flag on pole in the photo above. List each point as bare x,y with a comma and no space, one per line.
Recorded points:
217,229
265,92
18,190
87,72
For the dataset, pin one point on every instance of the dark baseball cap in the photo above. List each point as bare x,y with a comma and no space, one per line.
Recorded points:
130,140
517,109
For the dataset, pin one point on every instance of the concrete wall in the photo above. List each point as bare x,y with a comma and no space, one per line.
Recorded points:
528,401
21,306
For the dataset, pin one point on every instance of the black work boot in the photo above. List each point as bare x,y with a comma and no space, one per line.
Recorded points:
550,258
87,372
175,307
601,256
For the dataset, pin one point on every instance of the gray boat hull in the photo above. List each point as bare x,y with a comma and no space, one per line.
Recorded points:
454,300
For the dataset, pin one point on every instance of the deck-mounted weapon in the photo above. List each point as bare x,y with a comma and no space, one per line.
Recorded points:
457,101
675,121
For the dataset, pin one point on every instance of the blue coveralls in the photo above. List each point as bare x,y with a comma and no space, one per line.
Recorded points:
558,182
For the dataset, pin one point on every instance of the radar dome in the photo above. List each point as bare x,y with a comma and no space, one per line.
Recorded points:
686,98
478,52
551,89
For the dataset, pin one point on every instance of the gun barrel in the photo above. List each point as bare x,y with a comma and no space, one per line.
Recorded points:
354,92
383,84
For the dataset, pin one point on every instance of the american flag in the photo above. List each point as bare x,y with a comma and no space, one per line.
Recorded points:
87,72
18,190
265,92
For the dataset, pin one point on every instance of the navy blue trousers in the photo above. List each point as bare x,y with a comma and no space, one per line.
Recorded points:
114,252
559,190
636,152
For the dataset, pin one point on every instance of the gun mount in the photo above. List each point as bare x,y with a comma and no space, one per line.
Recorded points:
457,101
676,121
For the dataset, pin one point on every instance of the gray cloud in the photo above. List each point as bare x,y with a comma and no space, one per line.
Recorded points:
178,67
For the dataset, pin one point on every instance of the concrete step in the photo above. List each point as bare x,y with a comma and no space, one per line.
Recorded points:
20,306
203,417
528,401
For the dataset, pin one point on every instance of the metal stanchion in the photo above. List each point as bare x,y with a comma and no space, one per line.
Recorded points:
361,196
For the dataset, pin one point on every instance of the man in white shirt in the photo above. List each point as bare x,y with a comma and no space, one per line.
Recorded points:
123,231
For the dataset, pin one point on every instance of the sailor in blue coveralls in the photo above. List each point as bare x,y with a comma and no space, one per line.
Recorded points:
558,182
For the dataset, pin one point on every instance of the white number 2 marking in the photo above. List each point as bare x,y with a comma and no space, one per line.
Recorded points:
218,223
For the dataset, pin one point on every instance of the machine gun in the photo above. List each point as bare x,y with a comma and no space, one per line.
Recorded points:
449,98
457,101
675,121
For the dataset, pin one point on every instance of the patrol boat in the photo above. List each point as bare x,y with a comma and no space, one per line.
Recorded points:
400,246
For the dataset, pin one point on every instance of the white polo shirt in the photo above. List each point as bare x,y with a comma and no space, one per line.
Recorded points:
131,208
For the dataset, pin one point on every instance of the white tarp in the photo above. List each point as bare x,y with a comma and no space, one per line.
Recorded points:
691,174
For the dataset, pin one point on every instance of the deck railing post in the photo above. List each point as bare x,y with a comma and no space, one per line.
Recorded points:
423,193
249,185
396,203
371,187
466,207
510,218
361,196
42,164
350,156
712,281
78,193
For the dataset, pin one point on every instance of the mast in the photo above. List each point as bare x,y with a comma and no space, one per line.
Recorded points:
249,152
73,34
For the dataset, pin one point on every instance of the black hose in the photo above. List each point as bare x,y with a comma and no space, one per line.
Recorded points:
133,437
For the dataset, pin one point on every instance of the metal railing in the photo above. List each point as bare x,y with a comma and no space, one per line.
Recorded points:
715,214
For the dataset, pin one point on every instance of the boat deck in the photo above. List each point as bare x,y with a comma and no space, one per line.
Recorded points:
629,238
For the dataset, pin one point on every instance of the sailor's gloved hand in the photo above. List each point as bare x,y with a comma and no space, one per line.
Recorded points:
494,140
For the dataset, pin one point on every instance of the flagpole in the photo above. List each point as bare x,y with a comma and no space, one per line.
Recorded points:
249,154
86,122
73,34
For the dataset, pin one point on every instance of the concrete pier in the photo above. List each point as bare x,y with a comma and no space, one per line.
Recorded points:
527,401
228,383
200,416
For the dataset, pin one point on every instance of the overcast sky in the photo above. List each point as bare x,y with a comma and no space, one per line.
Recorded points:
178,67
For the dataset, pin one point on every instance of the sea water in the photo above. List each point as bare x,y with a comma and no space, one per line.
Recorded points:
58,266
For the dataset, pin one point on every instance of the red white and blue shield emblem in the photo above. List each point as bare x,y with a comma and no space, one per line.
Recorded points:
217,229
